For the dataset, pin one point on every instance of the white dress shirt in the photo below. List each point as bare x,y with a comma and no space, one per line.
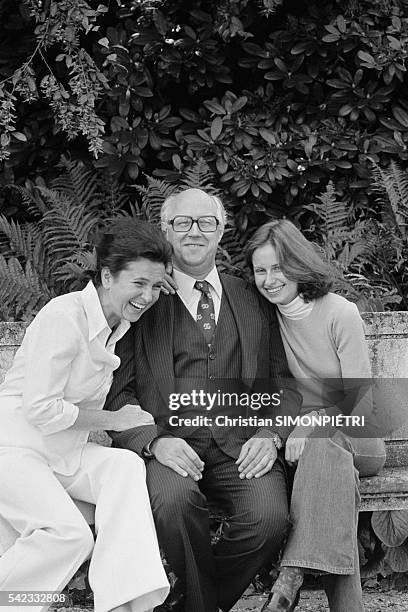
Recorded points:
65,362
191,296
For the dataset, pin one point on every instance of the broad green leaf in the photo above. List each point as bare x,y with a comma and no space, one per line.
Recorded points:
222,165
400,115
268,136
281,65
214,107
391,526
397,558
341,24
366,57
216,127
20,136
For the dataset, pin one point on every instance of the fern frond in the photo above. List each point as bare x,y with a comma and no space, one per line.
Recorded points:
13,240
41,259
199,176
26,243
78,183
231,253
113,199
362,246
55,199
47,257
153,197
20,238
71,273
22,291
31,199
333,213
67,229
393,184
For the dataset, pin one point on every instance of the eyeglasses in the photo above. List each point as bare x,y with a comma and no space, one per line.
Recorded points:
184,224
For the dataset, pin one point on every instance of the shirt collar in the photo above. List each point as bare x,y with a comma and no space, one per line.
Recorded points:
185,283
97,322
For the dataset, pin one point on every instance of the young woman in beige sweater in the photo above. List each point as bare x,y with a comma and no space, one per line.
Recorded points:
324,341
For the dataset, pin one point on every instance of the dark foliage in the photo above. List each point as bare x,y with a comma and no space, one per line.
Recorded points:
278,98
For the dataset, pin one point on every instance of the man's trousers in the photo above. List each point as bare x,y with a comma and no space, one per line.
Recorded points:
257,508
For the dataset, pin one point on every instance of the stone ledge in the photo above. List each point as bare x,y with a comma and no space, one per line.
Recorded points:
11,333
378,503
386,491
386,323
397,453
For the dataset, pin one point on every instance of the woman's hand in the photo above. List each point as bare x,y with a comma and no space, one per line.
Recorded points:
130,416
169,284
296,442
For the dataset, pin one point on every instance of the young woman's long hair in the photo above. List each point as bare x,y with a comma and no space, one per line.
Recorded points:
298,258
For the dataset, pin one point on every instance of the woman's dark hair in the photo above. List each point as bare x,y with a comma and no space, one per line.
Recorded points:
297,257
125,240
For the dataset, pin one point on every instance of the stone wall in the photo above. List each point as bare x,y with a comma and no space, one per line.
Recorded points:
11,335
387,337
386,332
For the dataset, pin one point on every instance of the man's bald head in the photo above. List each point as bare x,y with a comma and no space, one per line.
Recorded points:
194,249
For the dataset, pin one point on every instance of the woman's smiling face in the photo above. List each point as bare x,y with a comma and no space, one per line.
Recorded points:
132,291
269,279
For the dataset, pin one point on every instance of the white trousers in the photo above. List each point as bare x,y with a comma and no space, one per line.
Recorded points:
55,539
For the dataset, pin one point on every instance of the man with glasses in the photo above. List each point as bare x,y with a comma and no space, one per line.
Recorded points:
211,328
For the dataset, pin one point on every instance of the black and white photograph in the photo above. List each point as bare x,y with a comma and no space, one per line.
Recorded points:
203,305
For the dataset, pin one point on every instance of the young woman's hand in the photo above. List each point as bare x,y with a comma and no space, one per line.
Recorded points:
130,416
296,442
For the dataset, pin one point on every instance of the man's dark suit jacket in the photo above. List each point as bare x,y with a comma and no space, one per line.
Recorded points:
146,373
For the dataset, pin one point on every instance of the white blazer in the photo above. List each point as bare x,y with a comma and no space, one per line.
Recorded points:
65,362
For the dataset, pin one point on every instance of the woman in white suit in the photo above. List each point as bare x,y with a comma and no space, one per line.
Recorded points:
51,399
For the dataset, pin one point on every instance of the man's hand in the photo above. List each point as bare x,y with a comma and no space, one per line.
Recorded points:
296,442
169,285
256,458
179,456
130,416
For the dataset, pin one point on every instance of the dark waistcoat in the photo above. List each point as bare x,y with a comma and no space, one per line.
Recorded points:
193,358
215,368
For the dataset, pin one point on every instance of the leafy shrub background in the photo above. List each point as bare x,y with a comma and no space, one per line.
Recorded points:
294,109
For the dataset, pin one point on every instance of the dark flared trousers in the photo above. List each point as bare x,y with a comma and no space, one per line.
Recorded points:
217,576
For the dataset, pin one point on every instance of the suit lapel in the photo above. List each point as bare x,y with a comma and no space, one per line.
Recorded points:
158,344
158,329
245,309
